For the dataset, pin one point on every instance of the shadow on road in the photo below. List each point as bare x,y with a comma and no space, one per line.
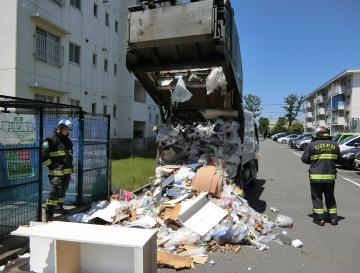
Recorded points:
253,195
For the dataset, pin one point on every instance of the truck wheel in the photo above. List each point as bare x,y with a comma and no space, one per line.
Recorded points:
303,147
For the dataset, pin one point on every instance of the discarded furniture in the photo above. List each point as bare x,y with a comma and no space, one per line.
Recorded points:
63,247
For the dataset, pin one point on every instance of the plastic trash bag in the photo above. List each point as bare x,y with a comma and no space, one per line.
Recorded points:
223,234
215,80
180,93
239,233
284,221
182,236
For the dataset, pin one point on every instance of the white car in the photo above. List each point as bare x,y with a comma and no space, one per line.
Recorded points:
286,139
349,143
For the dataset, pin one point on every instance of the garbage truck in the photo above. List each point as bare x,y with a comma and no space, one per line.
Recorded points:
196,43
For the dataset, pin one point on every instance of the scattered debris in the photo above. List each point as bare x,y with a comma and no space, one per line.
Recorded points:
284,238
194,202
25,256
173,260
284,221
297,243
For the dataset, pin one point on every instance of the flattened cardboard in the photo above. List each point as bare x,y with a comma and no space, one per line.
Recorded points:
207,180
172,213
173,260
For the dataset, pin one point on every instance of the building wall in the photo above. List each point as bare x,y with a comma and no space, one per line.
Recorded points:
348,107
355,97
8,17
24,75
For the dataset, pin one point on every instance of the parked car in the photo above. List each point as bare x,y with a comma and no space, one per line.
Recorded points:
292,142
276,136
303,143
286,139
348,143
357,161
347,158
341,136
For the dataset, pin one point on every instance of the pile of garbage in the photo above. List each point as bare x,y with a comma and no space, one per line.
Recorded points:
193,201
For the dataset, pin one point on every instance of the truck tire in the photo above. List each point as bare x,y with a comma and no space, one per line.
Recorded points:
303,146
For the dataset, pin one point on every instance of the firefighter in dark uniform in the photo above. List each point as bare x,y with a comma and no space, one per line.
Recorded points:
322,154
57,155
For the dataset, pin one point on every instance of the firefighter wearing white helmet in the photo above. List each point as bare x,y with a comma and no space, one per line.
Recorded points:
321,154
57,155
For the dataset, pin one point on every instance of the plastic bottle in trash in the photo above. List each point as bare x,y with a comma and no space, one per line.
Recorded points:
285,238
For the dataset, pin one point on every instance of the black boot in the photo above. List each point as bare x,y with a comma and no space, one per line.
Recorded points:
319,222
334,220
61,209
49,213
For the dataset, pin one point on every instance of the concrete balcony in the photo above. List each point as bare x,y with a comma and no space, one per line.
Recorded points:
320,99
337,90
308,104
320,111
309,115
339,121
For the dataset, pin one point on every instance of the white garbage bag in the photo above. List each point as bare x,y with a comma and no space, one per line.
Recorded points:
215,80
180,93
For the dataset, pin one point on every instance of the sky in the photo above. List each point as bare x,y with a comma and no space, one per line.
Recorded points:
295,46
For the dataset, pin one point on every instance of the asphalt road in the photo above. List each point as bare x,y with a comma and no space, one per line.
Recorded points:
283,183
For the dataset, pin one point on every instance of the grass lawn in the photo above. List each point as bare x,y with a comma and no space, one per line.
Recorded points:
132,173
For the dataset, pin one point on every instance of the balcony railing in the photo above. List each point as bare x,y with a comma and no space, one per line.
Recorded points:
336,90
48,50
60,3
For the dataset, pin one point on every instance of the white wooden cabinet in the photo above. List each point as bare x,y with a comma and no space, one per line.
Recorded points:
63,247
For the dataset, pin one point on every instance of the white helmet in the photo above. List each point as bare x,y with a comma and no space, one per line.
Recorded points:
65,123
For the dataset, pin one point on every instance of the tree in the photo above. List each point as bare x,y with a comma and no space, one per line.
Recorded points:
263,125
293,106
253,104
280,124
297,127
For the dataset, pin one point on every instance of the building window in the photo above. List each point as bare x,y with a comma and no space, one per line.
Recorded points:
47,47
150,117
106,65
115,69
95,10
138,129
116,26
76,4
139,93
107,20
105,109
94,60
114,111
74,102
60,3
46,98
93,108
156,119
74,53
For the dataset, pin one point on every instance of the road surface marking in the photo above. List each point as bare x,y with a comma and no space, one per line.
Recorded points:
295,153
349,180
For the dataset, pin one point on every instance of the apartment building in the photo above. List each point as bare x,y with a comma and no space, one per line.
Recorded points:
73,52
336,104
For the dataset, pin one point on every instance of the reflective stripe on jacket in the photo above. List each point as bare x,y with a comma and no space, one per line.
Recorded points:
321,155
57,154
